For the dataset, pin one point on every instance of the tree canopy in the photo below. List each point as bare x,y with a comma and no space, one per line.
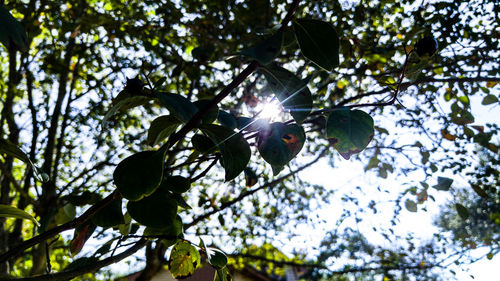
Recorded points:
182,128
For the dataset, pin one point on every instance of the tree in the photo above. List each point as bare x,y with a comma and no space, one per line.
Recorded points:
334,64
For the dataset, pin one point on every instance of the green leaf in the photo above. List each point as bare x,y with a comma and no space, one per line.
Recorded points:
318,42
349,131
179,106
489,99
479,191
226,119
172,230
81,235
110,215
184,259
12,33
12,212
180,201
211,116
13,150
123,102
176,184
223,275
233,146
267,50
443,184
157,210
280,143
216,257
161,128
462,211
291,91
203,144
411,205
139,174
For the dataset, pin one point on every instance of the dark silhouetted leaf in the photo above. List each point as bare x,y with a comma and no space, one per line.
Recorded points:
462,211
227,120
179,106
349,131
318,42
139,174
233,146
489,99
81,235
267,50
161,128
280,143
203,144
211,116
12,33
443,183
176,184
110,215
291,91
157,210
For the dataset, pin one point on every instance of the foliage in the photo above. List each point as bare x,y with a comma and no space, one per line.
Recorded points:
142,127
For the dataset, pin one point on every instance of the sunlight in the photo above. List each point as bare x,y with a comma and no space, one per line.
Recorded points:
269,110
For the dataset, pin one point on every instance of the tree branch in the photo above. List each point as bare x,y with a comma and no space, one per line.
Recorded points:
246,194
17,250
70,274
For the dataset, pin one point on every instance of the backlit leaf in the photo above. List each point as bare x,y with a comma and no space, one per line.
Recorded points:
318,42
122,102
176,184
226,119
489,99
184,259
349,131
462,211
223,275
211,114
179,106
233,146
81,235
291,91
110,215
280,143
12,212
161,128
267,50
139,174
157,210
12,33
443,183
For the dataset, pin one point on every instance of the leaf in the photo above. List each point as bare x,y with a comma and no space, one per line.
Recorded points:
176,184
161,128
179,106
250,177
462,211
443,184
12,33
318,42
216,258
157,210
489,99
291,91
12,212
81,235
172,230
410,205
109,216
280,143
139,174
267,50
203,144
226,119
223,275
211,115
349,131
123,103
233,146
184,259
479,191
180,201
13,150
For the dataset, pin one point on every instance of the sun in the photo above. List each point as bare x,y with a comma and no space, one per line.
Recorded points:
269,110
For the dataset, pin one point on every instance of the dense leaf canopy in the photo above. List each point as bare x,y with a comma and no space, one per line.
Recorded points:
144,124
